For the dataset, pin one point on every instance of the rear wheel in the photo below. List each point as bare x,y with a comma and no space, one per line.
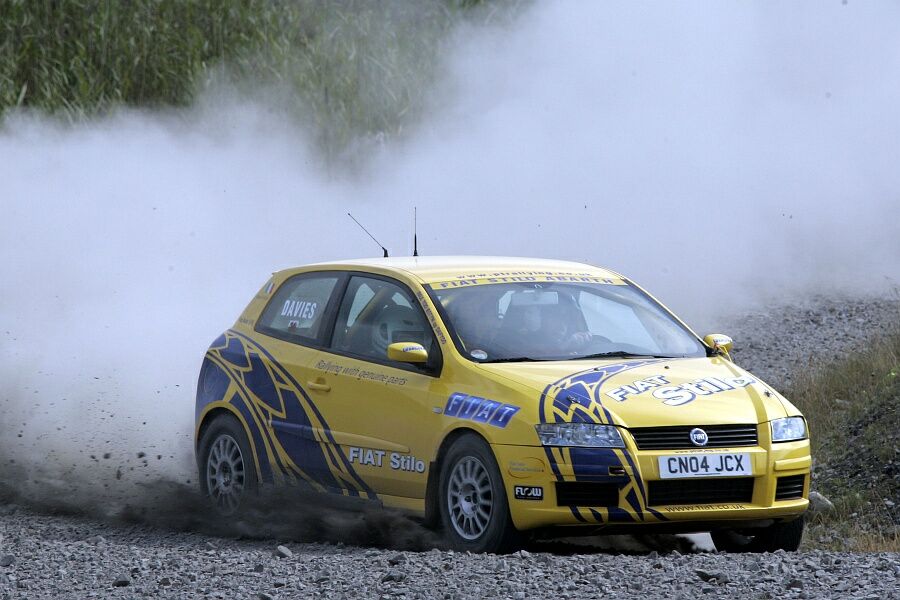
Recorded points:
473,502
227,474
780,536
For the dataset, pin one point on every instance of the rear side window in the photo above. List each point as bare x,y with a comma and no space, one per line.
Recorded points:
297,311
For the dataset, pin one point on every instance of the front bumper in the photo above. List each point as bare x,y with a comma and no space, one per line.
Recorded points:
617,489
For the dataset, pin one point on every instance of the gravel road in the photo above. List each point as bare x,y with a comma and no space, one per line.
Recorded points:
76,556
81,559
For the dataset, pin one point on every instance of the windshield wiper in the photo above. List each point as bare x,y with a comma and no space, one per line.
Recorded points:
511,359
616,354
619,354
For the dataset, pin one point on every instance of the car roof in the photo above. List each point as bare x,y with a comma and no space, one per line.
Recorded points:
431,269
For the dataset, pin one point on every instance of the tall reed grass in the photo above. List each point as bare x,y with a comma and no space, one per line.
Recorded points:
352,68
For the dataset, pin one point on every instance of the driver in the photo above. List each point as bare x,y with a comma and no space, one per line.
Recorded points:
476,323
543,332
557,331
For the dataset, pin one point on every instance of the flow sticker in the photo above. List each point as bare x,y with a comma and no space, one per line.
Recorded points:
528,492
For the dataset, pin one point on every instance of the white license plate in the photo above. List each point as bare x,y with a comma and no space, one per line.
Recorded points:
704,465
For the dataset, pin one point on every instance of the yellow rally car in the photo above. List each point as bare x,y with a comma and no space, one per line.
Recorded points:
497,396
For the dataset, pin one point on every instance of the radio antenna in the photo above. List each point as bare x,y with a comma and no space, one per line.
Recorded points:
415,242
369,234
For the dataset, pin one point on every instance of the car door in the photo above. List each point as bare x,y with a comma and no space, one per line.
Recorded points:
388,425
293,326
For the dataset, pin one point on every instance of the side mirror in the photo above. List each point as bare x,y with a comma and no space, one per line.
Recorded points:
720,342
408,352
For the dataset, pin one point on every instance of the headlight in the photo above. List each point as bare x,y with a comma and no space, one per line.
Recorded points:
788,429
579,434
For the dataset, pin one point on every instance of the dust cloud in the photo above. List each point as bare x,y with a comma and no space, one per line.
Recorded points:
721,156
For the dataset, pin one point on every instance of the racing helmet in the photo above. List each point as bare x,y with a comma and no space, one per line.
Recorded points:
397,324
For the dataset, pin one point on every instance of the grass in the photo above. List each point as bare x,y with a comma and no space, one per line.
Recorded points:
350,69
854,419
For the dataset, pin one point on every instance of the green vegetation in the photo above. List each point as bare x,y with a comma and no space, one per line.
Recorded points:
854,419
350,69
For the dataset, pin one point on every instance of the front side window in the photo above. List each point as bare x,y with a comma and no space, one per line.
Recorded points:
297,312
561,321
375,313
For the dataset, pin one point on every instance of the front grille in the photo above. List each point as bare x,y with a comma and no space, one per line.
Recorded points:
790,488
700,491
678,437
586,493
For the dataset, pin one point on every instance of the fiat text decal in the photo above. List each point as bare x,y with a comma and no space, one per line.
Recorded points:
676,395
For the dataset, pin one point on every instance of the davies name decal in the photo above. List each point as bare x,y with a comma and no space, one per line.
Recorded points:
676,395
299,308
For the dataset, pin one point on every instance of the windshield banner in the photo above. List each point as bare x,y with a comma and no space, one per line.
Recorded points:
533,278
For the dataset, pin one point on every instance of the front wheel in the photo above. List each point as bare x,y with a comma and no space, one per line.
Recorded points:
227,474
473,501
780,536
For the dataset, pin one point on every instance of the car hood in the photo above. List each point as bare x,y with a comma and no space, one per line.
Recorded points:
645,392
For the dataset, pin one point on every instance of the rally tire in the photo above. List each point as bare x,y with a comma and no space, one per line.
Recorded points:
780,536
472,499
226,467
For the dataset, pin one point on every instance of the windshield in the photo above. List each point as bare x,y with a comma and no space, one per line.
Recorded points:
561,321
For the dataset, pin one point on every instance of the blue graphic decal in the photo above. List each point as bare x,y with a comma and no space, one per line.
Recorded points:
265,475
578,515
592,464
657,514
632,500
342,461
470,407
619,515
576,399
503,415
454,402
235,354
481,410
212,385
277,411
259,380
305,451
487,409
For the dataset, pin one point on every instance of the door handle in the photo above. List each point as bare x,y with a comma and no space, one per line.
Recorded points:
319,385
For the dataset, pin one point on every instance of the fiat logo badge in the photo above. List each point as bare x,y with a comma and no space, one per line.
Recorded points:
699,437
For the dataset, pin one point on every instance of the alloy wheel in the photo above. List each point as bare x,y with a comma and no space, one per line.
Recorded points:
225,478
470,498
